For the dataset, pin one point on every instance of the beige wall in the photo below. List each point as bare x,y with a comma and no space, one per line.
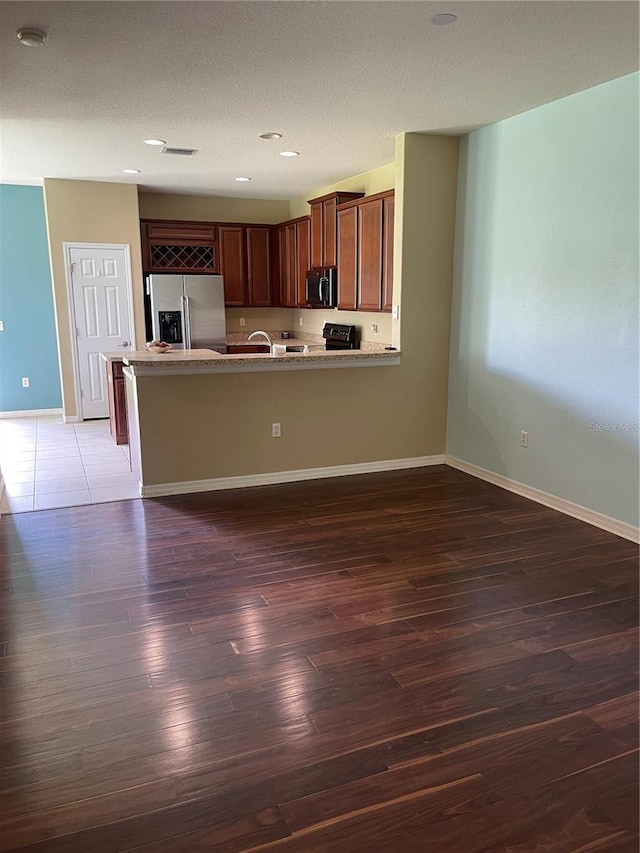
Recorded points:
222,423
215,209
423,269
89,212
374,181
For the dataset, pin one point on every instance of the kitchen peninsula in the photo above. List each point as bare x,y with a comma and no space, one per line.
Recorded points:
201,420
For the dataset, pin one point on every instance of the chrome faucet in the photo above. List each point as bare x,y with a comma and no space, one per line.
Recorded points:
253,334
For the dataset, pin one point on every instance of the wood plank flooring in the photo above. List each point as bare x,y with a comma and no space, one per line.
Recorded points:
407,661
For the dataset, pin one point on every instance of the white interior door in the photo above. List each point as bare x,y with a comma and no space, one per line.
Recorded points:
100,285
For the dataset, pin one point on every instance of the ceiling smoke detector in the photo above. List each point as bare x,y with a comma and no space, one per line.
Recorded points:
30,37
181,152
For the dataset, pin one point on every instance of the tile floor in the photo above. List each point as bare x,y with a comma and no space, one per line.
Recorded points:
47,463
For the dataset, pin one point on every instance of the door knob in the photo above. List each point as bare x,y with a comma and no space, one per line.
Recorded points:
123,344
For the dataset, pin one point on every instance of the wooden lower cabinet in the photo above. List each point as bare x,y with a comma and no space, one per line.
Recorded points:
237,349
117,396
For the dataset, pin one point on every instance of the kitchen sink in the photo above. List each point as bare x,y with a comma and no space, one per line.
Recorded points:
295,349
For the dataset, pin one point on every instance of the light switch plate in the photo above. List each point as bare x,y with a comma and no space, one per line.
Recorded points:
1,325
395,312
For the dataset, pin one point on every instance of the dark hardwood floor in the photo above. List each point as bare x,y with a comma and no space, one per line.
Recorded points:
408,661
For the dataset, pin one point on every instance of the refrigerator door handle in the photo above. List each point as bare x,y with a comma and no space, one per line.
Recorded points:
187,322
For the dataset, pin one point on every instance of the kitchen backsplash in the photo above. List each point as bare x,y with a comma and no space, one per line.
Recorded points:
314,320
288,319
259,318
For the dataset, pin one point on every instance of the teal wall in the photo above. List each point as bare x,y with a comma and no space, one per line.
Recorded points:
28,344
545,314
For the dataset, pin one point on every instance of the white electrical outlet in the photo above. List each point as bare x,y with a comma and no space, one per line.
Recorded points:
242,321
300,321
524,439
1,325
275,430
395,312
25,381
374,328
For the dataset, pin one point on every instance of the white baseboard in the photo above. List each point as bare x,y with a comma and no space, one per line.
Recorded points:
286,476
597,519
31,413
72,419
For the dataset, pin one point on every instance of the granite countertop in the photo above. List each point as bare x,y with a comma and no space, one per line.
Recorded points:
206,360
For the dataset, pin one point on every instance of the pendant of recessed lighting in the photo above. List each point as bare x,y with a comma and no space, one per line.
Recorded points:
30,37
272,135
444,18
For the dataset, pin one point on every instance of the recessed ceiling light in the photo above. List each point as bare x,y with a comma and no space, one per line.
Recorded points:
289,153
270,136
30,37
443,19
242,179
155,142
131,171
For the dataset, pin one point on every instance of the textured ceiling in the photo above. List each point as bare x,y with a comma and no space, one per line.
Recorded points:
338,79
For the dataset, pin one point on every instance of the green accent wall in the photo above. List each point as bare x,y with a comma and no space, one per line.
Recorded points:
545,311
28,344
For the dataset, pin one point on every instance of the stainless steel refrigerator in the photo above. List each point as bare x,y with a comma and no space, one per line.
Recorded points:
187,311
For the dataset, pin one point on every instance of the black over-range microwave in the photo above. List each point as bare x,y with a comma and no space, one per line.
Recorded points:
322,287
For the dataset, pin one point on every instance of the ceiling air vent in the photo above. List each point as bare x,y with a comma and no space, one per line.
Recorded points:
182,152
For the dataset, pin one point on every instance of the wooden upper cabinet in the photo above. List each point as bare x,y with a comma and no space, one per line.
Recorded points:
370,255
259,266
179,247
303,257
365,253
324,224
287,252
177,230
317,253
232,266
294,248
347,258
329,229
387,253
